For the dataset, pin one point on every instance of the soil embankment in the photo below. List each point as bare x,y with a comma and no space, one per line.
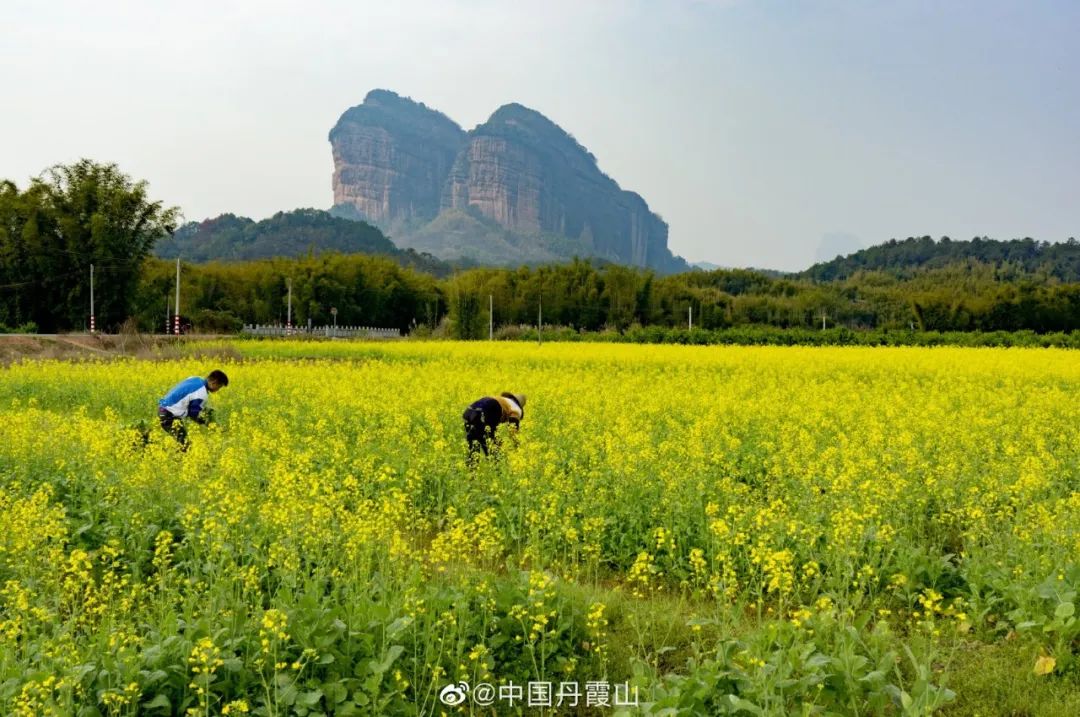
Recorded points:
17,347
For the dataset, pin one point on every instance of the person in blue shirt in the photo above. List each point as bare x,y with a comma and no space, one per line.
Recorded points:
187,399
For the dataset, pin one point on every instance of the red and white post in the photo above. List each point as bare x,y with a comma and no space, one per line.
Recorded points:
92,328
288,315
176,316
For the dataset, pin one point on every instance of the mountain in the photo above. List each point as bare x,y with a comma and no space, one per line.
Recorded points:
516,189
905,258
706,265
232,238
391,159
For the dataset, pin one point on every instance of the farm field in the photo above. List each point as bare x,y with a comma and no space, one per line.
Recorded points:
675,530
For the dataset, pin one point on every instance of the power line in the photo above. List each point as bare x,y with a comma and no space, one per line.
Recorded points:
57,277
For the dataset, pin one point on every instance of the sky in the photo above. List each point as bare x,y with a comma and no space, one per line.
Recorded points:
765,133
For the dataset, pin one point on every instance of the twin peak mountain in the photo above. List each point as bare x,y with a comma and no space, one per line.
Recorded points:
515,189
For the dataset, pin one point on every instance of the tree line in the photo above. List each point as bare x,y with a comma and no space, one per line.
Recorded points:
1060,261
586,297
69,218
88,213
964,296
582,296
223,296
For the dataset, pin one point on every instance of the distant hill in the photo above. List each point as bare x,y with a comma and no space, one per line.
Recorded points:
286,234
516,189
906,258
706,265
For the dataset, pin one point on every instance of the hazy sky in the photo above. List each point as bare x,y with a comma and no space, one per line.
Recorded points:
756,129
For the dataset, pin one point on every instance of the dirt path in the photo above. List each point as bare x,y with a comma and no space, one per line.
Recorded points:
17,347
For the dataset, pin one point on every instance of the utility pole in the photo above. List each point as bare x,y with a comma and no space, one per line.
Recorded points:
823,319
168,314
288,316
91,298
333,312
691,319
491,317
176,307
540,319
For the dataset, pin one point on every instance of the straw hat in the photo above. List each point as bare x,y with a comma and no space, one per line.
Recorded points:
519,398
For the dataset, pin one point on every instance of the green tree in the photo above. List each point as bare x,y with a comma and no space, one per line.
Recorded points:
70,217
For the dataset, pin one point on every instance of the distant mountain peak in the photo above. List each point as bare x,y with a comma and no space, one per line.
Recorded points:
378,96
533,127
519,113
401,165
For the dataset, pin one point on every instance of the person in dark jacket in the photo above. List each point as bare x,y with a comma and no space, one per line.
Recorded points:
483,416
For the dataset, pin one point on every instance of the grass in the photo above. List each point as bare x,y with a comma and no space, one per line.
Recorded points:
998,681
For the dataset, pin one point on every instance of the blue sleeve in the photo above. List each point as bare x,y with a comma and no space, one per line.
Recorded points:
194,406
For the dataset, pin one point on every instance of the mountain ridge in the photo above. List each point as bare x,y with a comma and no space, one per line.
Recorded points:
902,258
518,169
232,238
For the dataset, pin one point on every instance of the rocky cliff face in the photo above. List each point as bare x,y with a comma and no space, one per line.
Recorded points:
518,171
502,180
391,157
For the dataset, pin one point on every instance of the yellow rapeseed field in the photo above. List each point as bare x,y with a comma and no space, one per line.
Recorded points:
703,530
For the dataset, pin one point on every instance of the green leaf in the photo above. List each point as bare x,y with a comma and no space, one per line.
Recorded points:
83,670
1064,610
740,704
156,676
397,626
162,701
392,653
288,695
872,676
336,692
309,699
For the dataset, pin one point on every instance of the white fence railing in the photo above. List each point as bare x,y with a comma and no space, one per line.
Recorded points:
349,332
